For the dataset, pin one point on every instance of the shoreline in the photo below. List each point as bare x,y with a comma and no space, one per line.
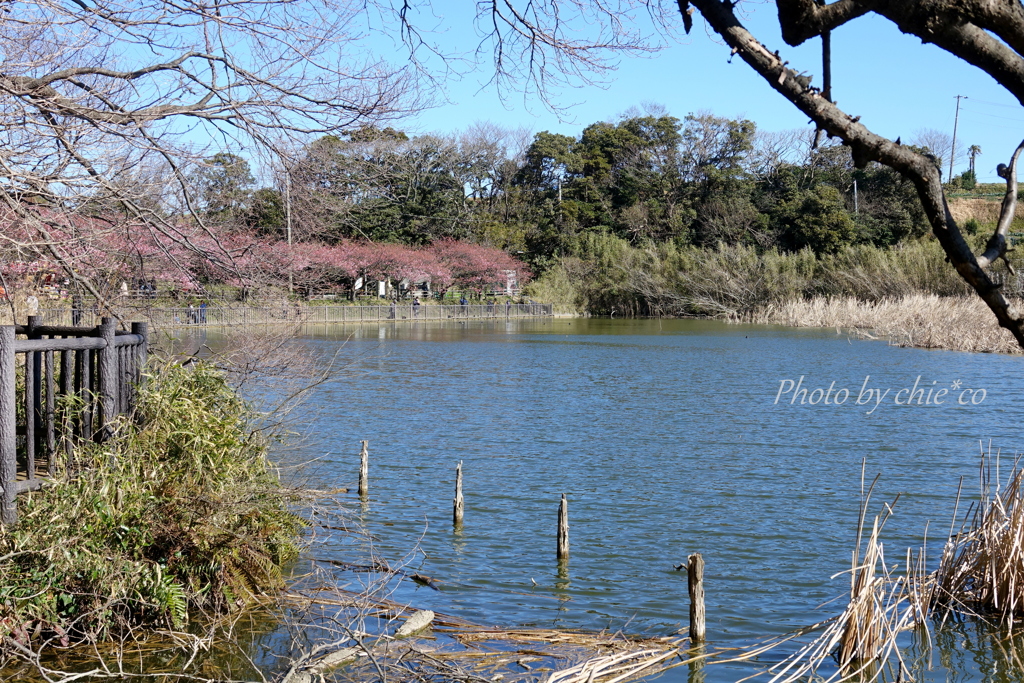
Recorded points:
914,321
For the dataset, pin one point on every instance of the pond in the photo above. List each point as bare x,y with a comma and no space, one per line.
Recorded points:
668,437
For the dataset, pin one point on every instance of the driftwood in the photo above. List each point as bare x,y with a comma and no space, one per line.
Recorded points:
414,624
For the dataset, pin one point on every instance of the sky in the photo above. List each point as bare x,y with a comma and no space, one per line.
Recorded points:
898,86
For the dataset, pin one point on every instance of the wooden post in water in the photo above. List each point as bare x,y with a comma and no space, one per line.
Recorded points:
695,583
8,437
364,470
563,529
459,503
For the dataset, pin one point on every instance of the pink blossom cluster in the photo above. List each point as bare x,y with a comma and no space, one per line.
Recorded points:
189,256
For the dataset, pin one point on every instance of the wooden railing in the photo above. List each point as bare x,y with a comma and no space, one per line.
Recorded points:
75,382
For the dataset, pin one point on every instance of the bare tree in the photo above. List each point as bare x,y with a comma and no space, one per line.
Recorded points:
90,91
774,149
938,143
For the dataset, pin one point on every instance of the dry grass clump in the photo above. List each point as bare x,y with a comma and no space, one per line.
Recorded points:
919,320
862,640
982,567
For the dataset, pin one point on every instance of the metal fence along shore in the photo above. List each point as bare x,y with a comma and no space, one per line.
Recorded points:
241,316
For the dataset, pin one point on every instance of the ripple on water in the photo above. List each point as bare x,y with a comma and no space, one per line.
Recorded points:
666,438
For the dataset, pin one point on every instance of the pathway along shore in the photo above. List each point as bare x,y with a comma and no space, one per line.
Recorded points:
292,313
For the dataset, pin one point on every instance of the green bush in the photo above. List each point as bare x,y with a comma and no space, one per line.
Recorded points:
179,514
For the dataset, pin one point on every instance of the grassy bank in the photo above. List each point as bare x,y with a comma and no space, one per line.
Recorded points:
608,274
924,321
178,516
907,294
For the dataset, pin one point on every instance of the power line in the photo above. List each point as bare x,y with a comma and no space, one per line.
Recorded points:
997,104
994,116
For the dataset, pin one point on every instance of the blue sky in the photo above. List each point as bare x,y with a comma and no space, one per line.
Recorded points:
894,82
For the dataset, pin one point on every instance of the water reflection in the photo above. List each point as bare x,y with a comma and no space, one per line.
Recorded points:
695,669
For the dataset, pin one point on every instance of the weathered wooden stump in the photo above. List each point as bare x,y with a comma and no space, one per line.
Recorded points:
459,505
364,469
695,583
563,529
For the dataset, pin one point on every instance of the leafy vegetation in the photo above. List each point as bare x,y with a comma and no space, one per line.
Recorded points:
608,275
178,515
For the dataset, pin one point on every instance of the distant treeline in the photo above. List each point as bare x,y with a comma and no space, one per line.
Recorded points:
702,181
652,213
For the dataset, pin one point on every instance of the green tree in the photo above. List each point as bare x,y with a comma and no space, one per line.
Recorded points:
267,213
821,222
223,185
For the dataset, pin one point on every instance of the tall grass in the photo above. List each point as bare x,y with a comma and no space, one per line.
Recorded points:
180,514
961,323
737,282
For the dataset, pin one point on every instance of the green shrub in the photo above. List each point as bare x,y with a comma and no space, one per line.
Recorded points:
179,514
607,273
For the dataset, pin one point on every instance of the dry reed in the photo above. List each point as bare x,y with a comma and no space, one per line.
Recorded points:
918,320
862,640
981,570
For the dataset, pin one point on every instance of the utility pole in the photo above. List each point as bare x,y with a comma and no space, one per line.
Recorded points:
288,214
952,148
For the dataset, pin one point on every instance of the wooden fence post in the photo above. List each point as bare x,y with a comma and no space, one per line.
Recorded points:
563,529
31,401
695,584
459,503
8,438
364,470
37,373
141,354
108,380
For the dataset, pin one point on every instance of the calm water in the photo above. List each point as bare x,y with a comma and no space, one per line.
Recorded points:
667,439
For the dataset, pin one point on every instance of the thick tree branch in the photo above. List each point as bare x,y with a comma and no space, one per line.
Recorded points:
996,246
986,33
804,19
